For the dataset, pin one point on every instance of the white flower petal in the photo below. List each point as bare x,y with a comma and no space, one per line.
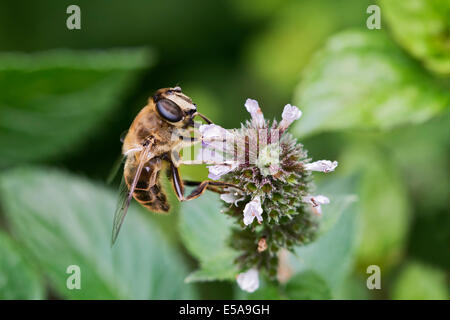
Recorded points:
232,197
248,219
315,202
253,210
228,197
289,115
249,280
274,169
218,138
253,108
322,199
211,131
317,210
210,156
215,172
322,166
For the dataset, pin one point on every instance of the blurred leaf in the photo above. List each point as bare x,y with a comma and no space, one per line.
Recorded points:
421,27
339,190
307,285
362,80
207,101
297,29
139,24
51,101
430,184
354,287
62,220
383,205
330,256
256,9
420,282
217,268
17,279
204,231
430,237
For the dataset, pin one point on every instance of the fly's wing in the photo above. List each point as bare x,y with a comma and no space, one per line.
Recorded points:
115,169
118,163
126,194
121,210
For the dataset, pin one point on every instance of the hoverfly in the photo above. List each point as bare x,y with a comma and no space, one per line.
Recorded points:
149,147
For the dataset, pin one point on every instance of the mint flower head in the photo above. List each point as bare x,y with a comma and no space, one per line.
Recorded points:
273,206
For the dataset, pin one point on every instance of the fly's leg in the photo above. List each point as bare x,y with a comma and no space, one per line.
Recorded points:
185,141
210,187
178,185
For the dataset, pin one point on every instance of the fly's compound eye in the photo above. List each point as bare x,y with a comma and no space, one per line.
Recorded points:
169,110
191,111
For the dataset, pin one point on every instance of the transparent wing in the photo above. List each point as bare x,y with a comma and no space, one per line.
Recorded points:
118,163
121,209
125,196
115,169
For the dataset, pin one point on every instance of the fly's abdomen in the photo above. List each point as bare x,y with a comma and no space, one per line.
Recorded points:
153,199
148,191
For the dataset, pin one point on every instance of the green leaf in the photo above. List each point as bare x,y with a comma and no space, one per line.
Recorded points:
330,256
420,282
62,220
340,192
51,101
354,287
307,285
254,9
205,231
384,205
361,80
18,280
430,184
297,29
421,27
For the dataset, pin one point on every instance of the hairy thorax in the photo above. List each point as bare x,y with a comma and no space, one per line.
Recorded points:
147,127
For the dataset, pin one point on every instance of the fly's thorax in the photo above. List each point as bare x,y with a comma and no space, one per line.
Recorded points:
146,128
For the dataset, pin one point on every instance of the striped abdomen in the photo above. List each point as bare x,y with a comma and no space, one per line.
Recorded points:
148,191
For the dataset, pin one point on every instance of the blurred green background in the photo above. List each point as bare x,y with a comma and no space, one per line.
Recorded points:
375,100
